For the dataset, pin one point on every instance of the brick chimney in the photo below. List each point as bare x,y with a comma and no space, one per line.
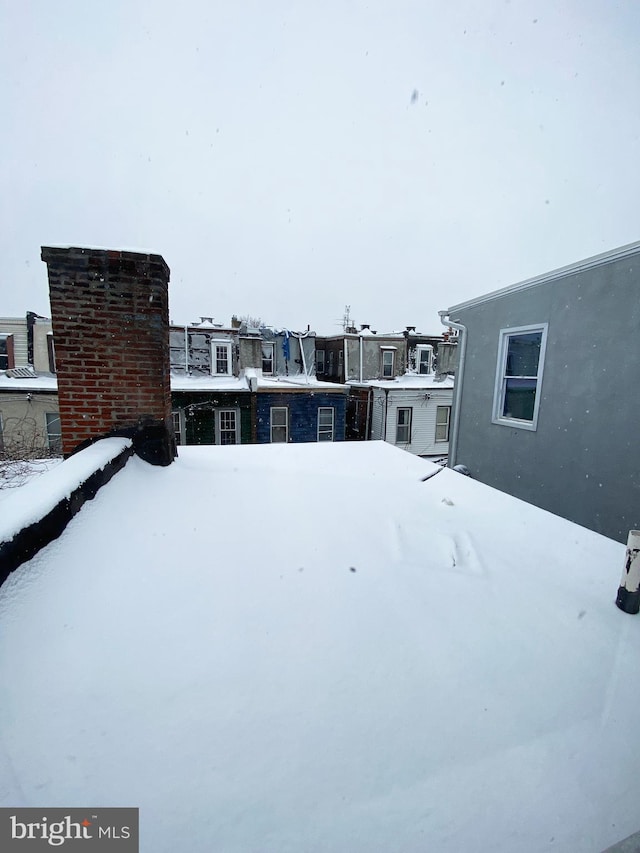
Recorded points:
110,315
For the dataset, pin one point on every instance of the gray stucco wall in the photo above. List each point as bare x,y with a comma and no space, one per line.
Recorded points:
583,460
372,356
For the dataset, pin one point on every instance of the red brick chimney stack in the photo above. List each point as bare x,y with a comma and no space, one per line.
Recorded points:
110,315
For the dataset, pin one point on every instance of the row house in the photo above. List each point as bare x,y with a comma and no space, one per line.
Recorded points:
238,384
29,416
400,385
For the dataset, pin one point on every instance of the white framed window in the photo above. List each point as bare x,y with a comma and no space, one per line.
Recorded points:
424,358
177,418
6,352
279,424
388,358
516,398
221,358
227,422
326,418
443,419
403,425
54,431
319,361
268,357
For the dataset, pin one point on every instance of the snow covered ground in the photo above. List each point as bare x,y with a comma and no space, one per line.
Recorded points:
308,649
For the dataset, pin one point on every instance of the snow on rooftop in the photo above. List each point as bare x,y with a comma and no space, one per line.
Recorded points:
442,668
180,382
39,382
409,381
296,381
136,249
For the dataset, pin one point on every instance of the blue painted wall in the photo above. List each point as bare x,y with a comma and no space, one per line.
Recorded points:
303,414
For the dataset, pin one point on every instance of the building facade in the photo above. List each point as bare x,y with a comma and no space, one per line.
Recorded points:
546,408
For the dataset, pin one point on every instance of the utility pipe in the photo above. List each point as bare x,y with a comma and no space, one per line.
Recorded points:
360,340
457,389
186,351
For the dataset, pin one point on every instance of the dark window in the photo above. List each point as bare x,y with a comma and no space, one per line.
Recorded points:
6,352
325,423
279,424
227,426
387,364
403,426
267,358
521,376
443,417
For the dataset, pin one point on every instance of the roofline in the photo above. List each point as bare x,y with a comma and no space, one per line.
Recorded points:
571,269
303,389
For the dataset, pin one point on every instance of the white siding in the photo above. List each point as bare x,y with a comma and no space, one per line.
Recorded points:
423,419
377,415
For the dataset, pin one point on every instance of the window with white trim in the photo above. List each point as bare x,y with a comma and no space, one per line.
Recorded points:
403,426
279,420
424,357
326,419
519,376
6,352
221,358
319,361
227,426
443,420
268,357
387,363
54,431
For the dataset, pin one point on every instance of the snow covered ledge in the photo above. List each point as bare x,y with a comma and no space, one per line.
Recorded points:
40,510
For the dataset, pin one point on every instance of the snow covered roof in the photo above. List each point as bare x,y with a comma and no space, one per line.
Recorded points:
37,383
413,381
298,381
444,671
180,382
242,383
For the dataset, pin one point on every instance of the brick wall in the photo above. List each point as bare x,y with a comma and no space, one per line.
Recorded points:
110,314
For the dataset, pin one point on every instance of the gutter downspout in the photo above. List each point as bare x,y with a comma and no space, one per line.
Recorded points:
457,393
367,426
360,339
186,351
386,407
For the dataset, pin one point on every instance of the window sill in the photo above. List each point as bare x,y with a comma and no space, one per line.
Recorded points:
515,423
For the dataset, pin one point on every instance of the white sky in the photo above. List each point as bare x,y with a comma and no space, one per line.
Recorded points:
290,158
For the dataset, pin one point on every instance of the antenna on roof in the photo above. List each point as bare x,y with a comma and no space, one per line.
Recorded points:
346,320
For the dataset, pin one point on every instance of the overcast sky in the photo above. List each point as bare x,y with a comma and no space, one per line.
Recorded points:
289,158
